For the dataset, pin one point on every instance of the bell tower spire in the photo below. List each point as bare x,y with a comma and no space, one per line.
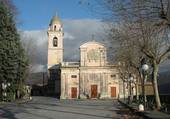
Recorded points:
55,42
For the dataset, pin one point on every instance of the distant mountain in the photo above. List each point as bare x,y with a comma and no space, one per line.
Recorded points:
37,79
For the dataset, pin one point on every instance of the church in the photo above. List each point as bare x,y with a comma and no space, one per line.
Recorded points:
90,78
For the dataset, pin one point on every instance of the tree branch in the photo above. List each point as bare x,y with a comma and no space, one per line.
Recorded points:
164,55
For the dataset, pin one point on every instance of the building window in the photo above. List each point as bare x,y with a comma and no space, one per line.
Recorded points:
55,42
73,76
55,28
113,76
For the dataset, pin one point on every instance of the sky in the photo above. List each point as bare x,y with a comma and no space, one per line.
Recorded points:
36,14
78,21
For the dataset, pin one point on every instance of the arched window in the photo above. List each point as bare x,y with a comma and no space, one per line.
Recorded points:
55,41
55,28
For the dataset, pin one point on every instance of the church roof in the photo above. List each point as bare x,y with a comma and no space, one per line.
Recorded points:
91,42
55,20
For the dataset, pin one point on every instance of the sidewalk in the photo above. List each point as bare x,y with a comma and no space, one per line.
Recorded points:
146,114
19,101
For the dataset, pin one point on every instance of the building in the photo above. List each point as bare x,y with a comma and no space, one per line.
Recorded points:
91,77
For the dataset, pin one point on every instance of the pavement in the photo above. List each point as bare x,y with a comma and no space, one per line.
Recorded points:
151,114
51,108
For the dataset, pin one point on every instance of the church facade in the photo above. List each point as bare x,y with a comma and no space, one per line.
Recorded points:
91,77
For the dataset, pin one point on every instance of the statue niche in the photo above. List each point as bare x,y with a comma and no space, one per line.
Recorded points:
55,41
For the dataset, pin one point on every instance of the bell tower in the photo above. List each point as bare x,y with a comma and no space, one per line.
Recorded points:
55,42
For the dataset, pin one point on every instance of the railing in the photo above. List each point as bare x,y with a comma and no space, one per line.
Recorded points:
65,64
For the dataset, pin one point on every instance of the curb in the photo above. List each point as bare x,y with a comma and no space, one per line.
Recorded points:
24,101
20,101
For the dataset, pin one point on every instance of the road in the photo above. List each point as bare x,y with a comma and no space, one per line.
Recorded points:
51,108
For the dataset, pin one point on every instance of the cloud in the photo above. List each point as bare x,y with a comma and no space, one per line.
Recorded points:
68,36
35,44
35,35
82,30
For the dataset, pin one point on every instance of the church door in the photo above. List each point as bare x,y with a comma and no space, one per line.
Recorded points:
93,91
113,91
73,92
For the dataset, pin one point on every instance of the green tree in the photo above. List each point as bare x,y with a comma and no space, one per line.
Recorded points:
13,62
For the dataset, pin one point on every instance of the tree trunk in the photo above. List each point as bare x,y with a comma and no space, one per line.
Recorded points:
155,85
124,96
141,82
137,90
143,89
18,94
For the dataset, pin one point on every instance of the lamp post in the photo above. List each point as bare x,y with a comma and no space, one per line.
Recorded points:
145,69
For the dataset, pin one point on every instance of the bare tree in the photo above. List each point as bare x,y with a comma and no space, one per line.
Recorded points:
147,23
127,52
31,52
150,31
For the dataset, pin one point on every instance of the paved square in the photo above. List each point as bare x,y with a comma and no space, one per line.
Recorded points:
51,108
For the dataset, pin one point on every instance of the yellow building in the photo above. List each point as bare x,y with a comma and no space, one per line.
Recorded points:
92,77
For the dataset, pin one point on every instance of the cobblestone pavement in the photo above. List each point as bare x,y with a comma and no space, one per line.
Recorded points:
51,108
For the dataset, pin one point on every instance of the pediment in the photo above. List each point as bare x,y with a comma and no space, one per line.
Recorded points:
92,44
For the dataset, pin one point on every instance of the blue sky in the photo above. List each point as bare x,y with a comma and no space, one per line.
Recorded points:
36,14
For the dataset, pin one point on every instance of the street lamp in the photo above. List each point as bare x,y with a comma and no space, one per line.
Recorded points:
145,69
